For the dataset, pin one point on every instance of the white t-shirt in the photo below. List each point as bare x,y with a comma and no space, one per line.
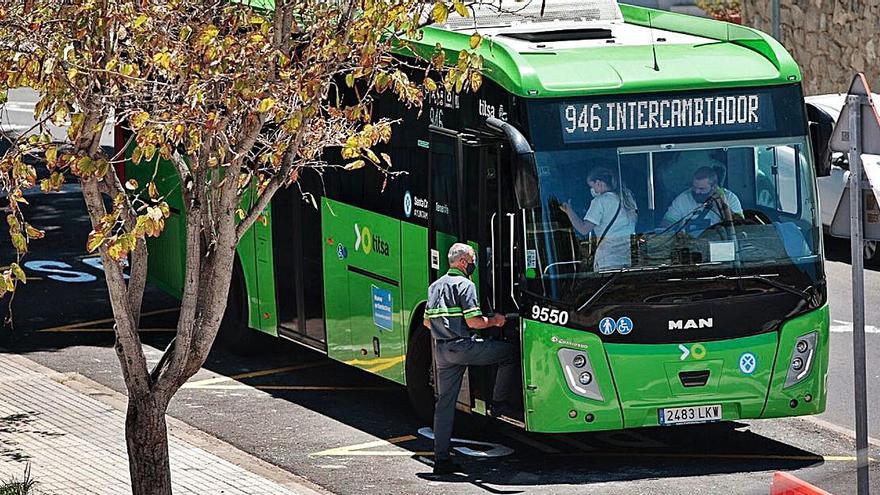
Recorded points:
685,203
613,250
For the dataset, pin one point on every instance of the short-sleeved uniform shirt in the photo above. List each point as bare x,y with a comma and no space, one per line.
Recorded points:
685,203
614,251
451,299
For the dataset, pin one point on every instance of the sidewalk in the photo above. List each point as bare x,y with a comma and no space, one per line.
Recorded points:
71,432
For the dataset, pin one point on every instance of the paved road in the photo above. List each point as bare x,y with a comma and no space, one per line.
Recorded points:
352,432
840,374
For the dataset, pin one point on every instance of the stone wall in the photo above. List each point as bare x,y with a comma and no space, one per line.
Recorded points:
830,39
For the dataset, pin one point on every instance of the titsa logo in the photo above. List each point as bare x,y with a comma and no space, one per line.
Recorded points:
367,242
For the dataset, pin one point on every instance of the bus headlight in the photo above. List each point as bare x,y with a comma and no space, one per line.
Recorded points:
579,374
585,378
801,361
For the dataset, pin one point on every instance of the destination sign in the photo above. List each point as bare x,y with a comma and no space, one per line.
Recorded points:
667,116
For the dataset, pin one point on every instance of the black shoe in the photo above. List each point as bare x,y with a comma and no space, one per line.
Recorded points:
446,466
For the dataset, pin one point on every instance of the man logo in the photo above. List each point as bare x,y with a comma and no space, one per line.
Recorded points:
690,324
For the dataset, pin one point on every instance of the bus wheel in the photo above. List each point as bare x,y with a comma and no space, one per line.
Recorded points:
235,335
419,379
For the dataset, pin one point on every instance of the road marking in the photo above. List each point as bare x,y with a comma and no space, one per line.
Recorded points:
497,450
360,449
842,326
77,327
253,374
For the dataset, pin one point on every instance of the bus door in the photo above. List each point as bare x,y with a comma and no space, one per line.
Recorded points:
464,190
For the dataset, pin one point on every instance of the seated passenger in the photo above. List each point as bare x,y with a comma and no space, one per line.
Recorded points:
696,204
611,216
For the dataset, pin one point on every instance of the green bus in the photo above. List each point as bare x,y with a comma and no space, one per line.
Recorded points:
703,322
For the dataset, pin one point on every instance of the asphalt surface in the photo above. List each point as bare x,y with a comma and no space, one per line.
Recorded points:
352,432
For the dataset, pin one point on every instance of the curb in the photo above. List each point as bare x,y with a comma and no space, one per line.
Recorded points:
179,429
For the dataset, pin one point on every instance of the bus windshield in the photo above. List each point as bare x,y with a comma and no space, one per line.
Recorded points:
693,208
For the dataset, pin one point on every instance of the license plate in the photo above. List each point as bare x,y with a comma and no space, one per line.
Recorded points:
690,414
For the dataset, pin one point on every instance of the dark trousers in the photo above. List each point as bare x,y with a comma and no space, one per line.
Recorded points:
452,360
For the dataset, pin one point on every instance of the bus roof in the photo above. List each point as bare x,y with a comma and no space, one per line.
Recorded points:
567,54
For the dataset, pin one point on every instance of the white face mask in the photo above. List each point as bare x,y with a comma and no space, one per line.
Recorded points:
593,192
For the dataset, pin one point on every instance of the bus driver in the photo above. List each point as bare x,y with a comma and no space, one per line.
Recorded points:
611,216
695,203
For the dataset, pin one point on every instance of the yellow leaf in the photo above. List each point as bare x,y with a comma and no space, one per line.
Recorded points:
131,184
18,272
137,154
152,191
476,81
440,12
266,104
430,84
355,165
138,120
94,242
33,232
460,8
387,158
475,40
140,21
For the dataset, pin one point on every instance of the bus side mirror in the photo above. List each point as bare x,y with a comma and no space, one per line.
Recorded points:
525,181
525,172
821,126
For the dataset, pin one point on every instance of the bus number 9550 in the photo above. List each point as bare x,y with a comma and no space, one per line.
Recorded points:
548,315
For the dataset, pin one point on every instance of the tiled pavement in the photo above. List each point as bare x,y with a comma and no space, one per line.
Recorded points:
75,443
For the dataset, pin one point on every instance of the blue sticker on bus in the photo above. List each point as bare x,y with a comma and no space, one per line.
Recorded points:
607,326
382,308
748,363
624,325
407,204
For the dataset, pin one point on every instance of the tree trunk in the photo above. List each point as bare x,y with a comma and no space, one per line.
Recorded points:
147,439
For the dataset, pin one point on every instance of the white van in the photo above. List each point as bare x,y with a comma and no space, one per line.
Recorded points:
832,186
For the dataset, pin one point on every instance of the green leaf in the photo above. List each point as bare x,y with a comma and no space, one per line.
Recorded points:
19,242
18,272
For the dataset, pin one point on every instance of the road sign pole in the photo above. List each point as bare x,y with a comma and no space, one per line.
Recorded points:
858,288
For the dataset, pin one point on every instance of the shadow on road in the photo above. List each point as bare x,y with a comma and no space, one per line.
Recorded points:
46,311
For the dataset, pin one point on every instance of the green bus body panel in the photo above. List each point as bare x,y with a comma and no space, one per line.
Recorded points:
356,282
740,57
816,382
167,253
647,377
637,379
548,399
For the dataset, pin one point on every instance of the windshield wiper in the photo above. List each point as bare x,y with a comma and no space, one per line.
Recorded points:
769,281
596,295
